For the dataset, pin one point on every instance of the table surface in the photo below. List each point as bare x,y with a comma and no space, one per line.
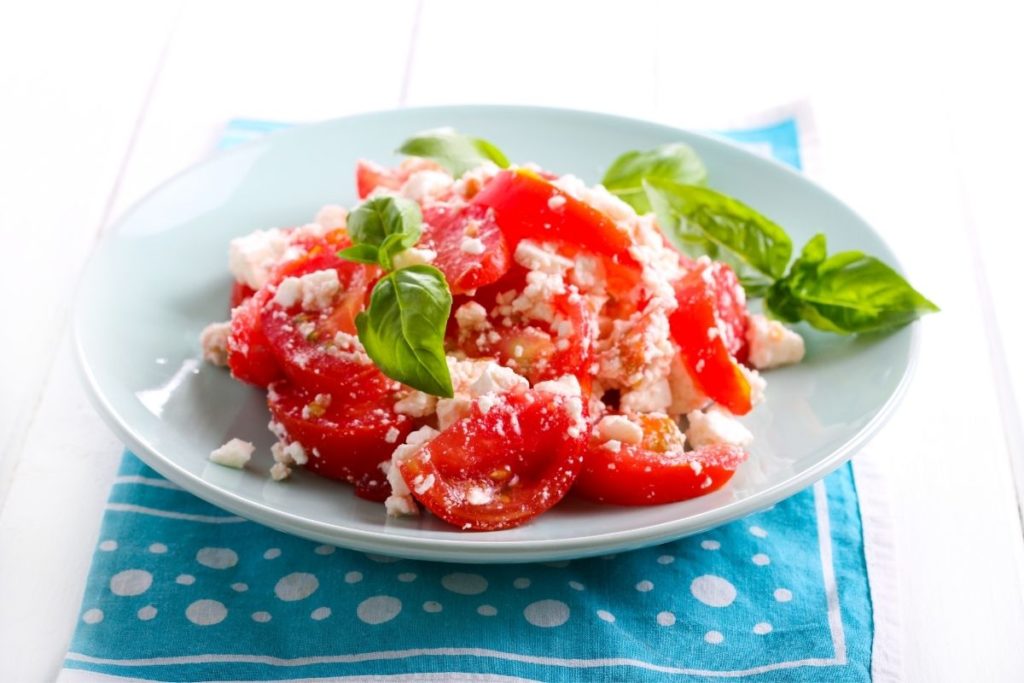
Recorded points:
917,115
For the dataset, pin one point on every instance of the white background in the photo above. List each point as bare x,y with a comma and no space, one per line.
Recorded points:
922,129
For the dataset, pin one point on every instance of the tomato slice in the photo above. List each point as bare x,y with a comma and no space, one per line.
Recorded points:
446,226
498,469
250,358
345,439
370,175
526,206
240,292
705,328
657,470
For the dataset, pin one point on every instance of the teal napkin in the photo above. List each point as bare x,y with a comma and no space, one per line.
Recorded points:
181,590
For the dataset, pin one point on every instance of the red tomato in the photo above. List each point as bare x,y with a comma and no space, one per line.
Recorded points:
498,469
307,345
705,327
657,470
445,226
240,292
345,439
536,349
249,355
526,206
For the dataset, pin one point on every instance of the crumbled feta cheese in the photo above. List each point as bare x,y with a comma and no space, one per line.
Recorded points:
214,341
400,502
557,201
392,435
567,385
716,426
279,471
332,216
497,379
451,410
317,407
472,317
619,428
234,453
296,453
315,290
478,496
535,300
649,397
534,256
472,245
686,395
424,484
472,180
772,344
613,445
413,257
416,404
757,385
347,347
424,185
251,257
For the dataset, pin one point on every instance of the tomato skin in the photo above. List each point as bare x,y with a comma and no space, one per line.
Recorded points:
656,471
522,455
445,225
250,357
704,342
521,202
348,441
239,293
370,176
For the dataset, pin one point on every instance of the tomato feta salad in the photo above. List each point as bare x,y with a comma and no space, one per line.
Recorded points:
480,339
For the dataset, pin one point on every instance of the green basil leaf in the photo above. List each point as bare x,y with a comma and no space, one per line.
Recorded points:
455,152
749,236
360,253
403,328
376,219
848,292
675,162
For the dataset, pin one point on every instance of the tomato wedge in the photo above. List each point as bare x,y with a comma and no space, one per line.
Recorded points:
344,439
471,250
497,469
526,206
657,470
250,358
703,327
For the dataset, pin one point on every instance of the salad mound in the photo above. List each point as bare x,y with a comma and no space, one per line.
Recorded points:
479,339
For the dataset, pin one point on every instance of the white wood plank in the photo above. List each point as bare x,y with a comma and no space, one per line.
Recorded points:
314,60
65,127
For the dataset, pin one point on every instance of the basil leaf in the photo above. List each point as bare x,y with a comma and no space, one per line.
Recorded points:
675,162
685,210
361,253
382,227
455,152
848,292
403,328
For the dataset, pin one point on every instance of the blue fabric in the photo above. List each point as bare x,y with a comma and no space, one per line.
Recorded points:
181,590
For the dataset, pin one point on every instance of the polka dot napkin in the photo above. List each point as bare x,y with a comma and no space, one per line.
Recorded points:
181,590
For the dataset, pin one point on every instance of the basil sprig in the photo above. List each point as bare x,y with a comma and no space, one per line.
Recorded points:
849,292
454,152
382,227
403,328
675,162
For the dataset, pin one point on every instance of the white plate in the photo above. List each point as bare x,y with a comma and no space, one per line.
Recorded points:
161,276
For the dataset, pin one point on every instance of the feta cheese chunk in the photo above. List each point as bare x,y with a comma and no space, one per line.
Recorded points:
413,257
214,340
534,256
619,428
428,184
472,245
416,404
279,471
315,290
235,453
401,502
716,426
332,216
250,258
773,344
649,397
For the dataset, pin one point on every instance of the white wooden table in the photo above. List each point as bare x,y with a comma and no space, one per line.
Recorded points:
920,120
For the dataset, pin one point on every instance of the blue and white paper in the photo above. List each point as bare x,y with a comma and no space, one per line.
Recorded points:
181,590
